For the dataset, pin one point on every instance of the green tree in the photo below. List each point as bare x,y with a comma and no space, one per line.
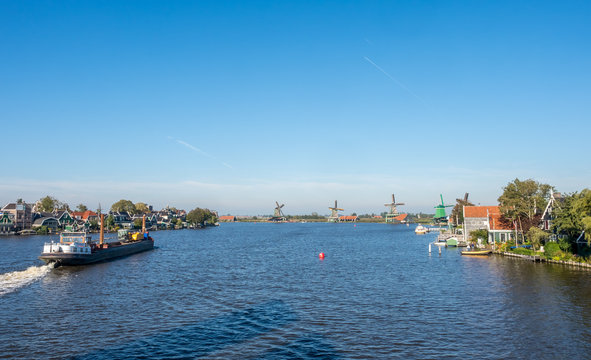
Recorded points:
49,203
522,202
572,217
199,216
137,223
179,223
582,207
110,222
536,237
81,208
123,205
142,208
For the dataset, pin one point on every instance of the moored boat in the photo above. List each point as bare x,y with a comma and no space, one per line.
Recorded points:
77,248
420,230
477,252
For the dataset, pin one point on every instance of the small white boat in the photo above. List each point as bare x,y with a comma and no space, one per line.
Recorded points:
420,230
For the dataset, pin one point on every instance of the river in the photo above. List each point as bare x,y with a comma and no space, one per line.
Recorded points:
260,291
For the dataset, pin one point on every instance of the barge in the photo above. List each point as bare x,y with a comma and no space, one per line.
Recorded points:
77,248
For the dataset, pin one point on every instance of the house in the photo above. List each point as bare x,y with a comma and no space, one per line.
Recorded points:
49,221
348,218
23,214
487,218
228,218
85,215
65,218
7,224
555,201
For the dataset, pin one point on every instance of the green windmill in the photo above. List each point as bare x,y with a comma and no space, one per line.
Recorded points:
440,216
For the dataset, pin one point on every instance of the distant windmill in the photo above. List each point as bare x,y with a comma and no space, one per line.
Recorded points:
457,213
334,215
440,216
393,210
278,214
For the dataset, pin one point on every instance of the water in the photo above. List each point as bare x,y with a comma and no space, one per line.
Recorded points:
259,291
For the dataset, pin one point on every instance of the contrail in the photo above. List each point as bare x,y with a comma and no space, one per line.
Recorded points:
197,150
194,148
394,79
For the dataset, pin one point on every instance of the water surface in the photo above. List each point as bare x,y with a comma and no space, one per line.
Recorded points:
259,291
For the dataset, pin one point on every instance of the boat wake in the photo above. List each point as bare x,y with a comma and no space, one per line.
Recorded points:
15,280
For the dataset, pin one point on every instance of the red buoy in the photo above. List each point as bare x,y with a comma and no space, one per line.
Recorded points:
321,255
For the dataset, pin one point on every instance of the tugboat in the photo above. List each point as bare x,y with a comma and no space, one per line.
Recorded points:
76,248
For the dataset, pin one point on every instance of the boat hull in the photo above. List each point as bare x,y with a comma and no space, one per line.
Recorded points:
100,255
477,252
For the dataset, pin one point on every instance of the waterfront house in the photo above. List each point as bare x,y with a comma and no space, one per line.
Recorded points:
49,221
228,218
487,218
85,215
7,224
555,201
23,214
66,220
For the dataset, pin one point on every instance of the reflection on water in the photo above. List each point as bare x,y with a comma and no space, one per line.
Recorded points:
377,294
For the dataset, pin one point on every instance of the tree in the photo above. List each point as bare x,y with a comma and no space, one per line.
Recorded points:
81,208
537,236
137,223
200,216
574,216
522,201
110,222
142,208
179,223
49,203
123,205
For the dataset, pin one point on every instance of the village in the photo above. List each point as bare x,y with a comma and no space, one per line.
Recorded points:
22,218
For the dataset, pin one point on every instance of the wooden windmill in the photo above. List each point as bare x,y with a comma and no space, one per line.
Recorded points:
278,214
334,213
393,209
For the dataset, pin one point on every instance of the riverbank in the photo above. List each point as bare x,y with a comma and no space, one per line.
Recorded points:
542,259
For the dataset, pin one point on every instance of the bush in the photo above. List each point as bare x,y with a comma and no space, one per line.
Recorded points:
523,251
42,230
482,234
551,250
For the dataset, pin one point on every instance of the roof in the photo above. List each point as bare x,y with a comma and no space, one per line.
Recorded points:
227,217
84,215
42,220
498,222
348,217
480,211
9,206
401,217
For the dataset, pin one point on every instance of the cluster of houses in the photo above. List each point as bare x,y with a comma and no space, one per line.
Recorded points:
499,229
23,218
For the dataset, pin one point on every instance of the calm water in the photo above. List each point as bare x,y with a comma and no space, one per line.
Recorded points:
259,291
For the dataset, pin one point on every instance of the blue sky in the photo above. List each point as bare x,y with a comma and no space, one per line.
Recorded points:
235,105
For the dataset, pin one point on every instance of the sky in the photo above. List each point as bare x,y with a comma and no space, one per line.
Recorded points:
234,105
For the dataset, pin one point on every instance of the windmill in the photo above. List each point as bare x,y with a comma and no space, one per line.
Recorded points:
334,215
393,210
458,210
440,217
278,214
